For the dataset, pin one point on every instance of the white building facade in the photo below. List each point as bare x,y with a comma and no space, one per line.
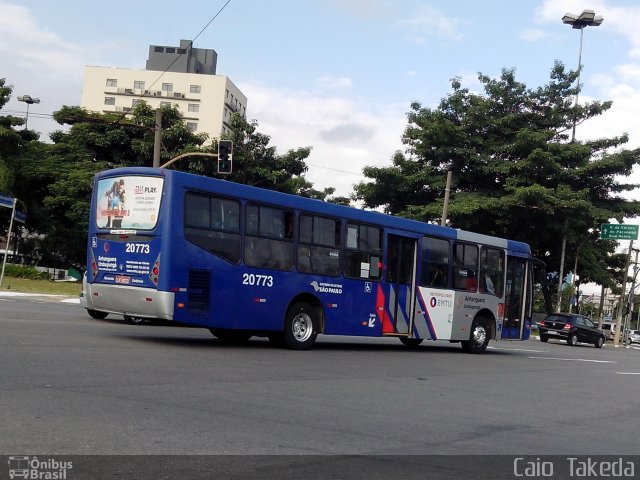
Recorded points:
205,100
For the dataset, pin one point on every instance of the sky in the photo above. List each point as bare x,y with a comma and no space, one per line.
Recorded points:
336,75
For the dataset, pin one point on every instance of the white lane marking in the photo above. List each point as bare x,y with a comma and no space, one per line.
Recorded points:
574,360
628,373
71,300
518,350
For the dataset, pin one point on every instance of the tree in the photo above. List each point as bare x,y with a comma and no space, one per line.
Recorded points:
16,144
258,164
516,174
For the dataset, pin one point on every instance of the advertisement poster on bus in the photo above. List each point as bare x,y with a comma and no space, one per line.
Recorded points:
128,202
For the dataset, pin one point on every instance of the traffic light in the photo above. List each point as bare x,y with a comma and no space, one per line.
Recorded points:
225,157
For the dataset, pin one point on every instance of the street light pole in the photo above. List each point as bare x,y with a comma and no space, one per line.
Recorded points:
586,19
29,100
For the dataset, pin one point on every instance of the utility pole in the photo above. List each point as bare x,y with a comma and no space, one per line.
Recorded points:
157,139
621,302
561,273
445,207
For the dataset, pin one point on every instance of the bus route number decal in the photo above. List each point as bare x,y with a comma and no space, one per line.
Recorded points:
259,280
137,248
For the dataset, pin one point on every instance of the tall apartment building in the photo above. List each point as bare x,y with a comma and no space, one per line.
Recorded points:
206,100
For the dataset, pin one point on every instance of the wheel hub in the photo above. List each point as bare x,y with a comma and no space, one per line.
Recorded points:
302,327
479,335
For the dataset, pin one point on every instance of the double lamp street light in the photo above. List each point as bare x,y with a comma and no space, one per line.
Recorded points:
29,100
587,18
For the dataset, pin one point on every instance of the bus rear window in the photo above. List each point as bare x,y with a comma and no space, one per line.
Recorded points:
128,202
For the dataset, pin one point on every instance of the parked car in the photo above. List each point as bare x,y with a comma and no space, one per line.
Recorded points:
633,337
572,328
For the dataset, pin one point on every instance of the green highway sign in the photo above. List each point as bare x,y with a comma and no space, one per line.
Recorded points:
618,231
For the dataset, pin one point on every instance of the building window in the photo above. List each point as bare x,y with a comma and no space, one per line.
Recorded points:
195,89
227,94
138,84
135,101
194,107
109,100
167,87
162,104
112,82
170,50
192,126
158,49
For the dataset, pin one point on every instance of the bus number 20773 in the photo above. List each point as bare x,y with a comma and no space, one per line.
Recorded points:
258,280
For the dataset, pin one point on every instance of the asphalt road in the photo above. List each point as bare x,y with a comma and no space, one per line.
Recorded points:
73,385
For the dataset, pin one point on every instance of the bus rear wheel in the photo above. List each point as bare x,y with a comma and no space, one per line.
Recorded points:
97,314
231,337
133,320
299,327
478,338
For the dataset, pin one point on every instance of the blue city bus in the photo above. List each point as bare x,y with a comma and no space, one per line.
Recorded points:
242,261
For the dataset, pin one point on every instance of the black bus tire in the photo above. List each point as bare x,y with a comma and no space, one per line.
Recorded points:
411,342
300,327
97,314
231,337
133,320
478,337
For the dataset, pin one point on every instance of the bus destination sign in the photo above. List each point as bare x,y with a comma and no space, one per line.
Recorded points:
618,231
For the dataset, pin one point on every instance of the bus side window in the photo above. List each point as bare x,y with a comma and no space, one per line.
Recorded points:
435,263
465,269
266,244
363,252
319,248
492,271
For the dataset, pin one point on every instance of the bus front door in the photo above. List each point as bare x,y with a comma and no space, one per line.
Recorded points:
401,276
518,302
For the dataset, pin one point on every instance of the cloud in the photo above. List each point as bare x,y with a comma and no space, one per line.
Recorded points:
351,132
34,48
332,83
345,135
427,22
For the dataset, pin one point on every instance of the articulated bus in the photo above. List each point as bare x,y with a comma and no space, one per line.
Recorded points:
243,261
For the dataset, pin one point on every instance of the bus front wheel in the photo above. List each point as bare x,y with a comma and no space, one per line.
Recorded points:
299,327
478,338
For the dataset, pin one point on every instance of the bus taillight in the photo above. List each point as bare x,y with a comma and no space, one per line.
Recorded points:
155,271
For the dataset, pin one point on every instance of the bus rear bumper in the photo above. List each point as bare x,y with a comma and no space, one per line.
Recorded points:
132,301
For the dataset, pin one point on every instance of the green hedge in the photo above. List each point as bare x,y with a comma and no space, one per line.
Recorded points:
21,271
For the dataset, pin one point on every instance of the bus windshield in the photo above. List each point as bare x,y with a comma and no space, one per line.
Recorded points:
128,202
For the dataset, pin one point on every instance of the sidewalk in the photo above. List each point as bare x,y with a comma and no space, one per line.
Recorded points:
50,297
